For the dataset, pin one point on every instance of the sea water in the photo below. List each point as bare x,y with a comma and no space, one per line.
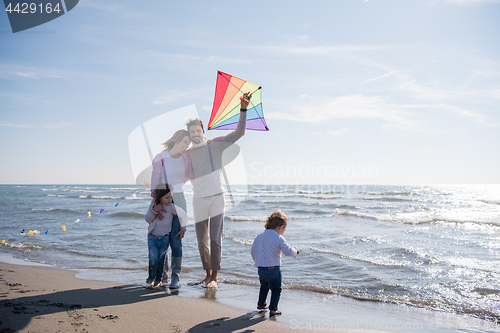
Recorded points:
435,248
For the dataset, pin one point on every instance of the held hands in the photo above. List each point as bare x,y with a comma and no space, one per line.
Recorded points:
181,234
245,100
159,209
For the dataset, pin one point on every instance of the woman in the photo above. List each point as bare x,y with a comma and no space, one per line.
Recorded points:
172,166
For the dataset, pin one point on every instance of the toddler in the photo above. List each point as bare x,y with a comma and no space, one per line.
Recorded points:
266,252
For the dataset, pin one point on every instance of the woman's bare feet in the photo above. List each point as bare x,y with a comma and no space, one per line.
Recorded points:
206,280
151,285
212,284
213,280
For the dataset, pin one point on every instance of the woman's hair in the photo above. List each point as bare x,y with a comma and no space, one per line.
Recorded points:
176,138
161,191
276,219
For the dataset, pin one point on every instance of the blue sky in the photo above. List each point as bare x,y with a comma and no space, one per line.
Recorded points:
354,91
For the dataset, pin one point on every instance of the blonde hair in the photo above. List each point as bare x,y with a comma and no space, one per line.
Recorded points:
176,138
276,219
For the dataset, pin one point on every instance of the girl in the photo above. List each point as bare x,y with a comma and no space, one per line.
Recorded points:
160,230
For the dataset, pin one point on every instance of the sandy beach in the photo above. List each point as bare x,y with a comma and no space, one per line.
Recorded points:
44,299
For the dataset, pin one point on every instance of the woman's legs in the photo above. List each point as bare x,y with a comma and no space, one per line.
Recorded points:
176,247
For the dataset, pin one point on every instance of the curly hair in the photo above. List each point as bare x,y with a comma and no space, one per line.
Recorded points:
276,219
193,122
161,191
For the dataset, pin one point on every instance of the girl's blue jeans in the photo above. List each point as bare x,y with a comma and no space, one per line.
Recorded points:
157,246
270,279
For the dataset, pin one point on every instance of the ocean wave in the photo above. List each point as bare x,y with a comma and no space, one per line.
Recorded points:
86,191
491,202
410,219
323,197
253,201
382,262
390,199
106,197
119,268
294,194
384,207
132,215
45,209
245,218
78,253
133,197
239,240
240,282
292,203
472,264
242,218
347,212
389,193
28,247
21,246
305,211
272,195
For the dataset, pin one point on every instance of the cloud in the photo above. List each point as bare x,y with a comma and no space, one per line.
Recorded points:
8,71
314,50
208,59
469,2
321,109
30,75
180,95
432,91
102,5
10,124
340,132
53,126
380,77
428,91
317,133
474,116
60,124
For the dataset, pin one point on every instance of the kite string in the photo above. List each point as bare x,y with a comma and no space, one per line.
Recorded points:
63,227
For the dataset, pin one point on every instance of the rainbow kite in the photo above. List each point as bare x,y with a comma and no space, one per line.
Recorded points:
226,109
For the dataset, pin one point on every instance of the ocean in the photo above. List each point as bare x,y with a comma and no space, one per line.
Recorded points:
432,248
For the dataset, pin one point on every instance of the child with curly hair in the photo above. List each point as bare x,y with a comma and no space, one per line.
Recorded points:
266,252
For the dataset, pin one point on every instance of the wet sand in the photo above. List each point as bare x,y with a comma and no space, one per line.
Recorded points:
44,299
